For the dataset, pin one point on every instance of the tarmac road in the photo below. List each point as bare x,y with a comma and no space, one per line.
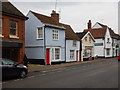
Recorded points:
90,75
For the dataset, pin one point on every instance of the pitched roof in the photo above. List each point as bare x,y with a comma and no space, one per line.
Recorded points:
113,34
46,19
81,34
97,33
10,9
102,25
100,32
69,33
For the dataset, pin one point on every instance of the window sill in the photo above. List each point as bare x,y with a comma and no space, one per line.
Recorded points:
55,39
15,37
39,38
1,35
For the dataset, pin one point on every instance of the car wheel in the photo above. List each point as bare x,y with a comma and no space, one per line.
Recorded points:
23,74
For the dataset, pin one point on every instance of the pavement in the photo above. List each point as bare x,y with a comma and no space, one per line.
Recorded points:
37,67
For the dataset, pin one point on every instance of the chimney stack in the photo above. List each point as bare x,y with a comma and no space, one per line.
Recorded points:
55,15
89,24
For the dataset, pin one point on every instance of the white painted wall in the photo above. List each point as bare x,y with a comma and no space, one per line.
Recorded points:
99,50
108,45
69,46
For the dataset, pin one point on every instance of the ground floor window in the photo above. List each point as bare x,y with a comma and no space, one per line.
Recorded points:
56,53
108,51
87,53
72,54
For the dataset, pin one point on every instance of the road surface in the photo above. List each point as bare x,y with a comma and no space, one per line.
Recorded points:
90,75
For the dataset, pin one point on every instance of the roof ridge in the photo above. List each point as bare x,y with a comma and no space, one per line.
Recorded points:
40,14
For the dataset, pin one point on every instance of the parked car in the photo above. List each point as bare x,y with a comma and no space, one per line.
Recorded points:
119,57
12,69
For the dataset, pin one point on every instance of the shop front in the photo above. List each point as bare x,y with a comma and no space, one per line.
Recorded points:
11,50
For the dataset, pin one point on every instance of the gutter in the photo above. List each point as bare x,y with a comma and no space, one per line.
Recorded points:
54,26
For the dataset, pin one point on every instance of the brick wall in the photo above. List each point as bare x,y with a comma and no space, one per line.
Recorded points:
21,33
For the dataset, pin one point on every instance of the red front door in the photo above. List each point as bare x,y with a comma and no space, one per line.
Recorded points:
48,56
76,55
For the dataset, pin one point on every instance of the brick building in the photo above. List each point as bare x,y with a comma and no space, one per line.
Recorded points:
12,35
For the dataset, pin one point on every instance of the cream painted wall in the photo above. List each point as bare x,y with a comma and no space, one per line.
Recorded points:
88,43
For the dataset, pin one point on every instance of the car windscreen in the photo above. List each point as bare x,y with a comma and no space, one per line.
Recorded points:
7,62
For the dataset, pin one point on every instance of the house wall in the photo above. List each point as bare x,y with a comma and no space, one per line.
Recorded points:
115,50
108,45
34,47
60,43
20,35
88,43
99,50
85,44
69,46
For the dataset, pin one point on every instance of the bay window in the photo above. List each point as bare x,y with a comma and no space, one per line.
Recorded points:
56,53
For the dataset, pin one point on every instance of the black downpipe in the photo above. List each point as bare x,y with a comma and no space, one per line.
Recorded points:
44,46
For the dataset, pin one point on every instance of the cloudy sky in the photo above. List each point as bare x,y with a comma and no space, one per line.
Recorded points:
75,12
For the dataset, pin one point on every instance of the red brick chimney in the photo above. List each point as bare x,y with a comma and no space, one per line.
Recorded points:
89,24
55,15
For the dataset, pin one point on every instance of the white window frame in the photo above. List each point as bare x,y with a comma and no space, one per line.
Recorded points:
74,43
55,34
42,30
53,53
14,28
72,57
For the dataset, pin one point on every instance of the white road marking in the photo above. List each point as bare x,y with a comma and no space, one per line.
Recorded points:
18,80
44,71
31,77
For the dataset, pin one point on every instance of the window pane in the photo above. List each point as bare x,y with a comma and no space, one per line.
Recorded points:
74,43
13,28
12,31
40,33
55,35
12,24
71,54
57,53
0,26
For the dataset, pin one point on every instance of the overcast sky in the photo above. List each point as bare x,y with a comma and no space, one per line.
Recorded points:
75,12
